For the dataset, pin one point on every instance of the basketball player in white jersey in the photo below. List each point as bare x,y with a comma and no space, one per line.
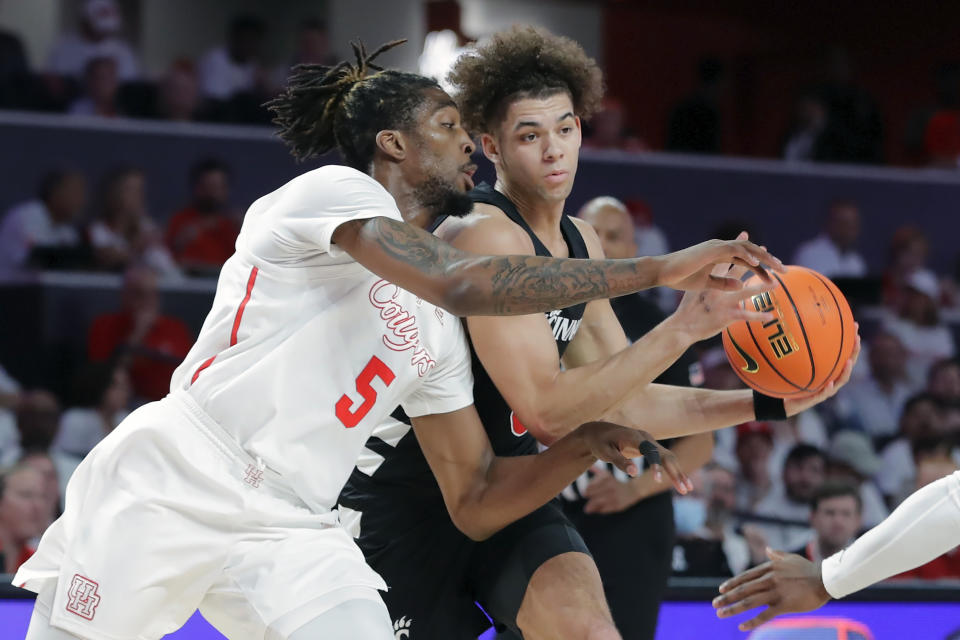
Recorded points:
221,495
925,526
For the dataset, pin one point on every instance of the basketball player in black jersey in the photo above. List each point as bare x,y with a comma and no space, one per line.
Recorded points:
524,92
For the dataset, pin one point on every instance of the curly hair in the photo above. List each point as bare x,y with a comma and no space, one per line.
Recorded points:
523,62
345,106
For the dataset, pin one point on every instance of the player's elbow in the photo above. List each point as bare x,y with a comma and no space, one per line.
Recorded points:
462,295
470,524
543,424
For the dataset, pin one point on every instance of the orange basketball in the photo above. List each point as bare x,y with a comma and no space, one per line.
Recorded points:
804,347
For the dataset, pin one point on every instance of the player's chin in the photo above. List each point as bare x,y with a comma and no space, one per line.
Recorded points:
557,191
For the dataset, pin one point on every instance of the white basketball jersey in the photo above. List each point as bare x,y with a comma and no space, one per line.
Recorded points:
305,351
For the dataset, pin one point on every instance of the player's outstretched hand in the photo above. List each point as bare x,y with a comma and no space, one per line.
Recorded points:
692,269
787,583
703,314
617,444
794,406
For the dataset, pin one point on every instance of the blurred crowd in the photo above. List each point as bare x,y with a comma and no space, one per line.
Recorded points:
94,71
808,484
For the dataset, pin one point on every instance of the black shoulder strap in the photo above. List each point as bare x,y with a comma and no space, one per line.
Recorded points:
575,243
486,194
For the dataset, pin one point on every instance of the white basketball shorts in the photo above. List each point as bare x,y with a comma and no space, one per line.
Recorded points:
167,515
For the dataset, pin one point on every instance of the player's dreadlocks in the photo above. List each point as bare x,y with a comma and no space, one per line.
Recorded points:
346,105
523,62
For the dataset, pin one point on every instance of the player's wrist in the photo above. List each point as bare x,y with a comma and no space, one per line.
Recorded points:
648,272
820,586
768,408
680,328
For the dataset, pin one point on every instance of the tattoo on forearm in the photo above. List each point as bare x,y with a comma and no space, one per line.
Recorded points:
514,284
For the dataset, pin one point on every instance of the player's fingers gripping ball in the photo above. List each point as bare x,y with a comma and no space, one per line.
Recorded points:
804,347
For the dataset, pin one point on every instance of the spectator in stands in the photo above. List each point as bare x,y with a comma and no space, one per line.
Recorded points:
42,462
41,232
695,122
852,460
38,417
708,543
313,47
102,392
835,516
608,129
236,67
179,93
754,447
100,25
124,234
803,472
10,398
833,253
852,113
807,136
943,381
918,326
99,90
150,343
923,433
909,251
202,235
874,403
21,514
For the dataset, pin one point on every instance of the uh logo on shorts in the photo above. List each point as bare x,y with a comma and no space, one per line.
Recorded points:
82,597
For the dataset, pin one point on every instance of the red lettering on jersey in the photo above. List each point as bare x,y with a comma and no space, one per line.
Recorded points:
404,334
516,427
82,597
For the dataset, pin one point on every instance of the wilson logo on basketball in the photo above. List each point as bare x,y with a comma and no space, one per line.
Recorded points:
516,427
82,598
780,341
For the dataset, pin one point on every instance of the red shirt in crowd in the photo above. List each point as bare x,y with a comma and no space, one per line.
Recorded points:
153,361
198,239
946,566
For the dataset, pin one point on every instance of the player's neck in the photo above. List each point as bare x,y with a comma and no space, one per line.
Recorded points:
542,215
404,194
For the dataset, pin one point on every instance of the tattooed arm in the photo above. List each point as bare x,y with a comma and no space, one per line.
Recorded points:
467,284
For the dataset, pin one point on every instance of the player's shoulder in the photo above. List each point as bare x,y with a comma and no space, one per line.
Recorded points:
338,174
590,237
486,229
334,189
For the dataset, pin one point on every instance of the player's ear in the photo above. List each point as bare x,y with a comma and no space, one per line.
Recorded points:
392,143
490,147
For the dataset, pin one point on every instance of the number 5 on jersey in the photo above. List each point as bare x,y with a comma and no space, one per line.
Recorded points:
374,369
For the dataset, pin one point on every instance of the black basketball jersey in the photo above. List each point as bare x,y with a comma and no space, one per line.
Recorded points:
392,483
